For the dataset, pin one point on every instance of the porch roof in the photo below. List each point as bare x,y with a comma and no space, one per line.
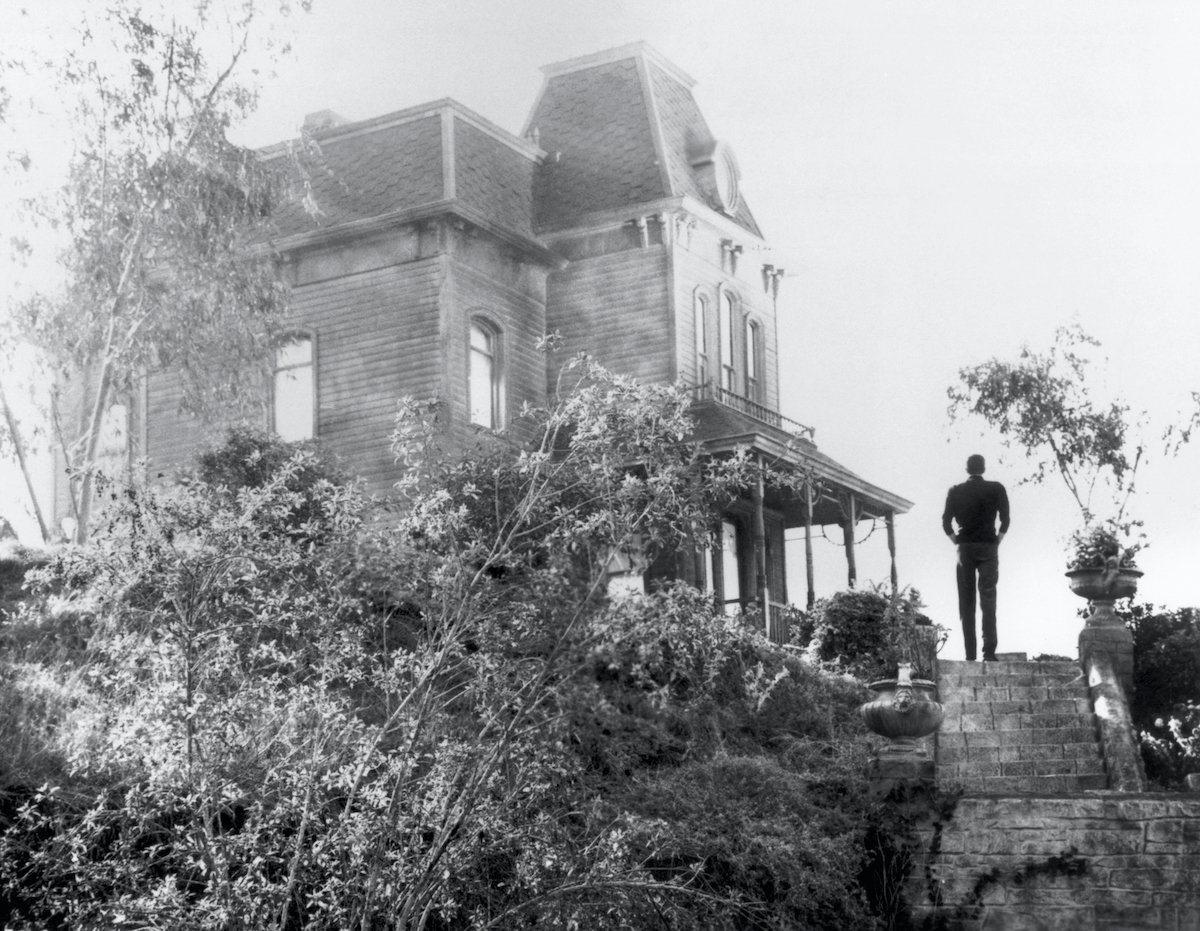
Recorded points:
726,422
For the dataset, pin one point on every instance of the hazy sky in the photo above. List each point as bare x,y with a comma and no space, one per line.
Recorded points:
943,181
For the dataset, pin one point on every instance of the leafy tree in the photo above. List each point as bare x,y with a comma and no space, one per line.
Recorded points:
155,216
437,721
1042,405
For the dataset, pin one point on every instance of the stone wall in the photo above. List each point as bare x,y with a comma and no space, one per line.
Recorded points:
1099,861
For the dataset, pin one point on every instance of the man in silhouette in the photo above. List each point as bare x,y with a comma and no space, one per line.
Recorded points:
974,506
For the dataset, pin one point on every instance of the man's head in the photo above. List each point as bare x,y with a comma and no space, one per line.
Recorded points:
975,465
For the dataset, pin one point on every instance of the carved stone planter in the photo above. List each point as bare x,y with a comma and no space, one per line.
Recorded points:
1104,632
1103,586
904,710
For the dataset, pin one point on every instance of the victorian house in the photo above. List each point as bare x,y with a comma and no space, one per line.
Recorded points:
442,248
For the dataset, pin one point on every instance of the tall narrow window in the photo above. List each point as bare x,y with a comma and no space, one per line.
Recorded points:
725,324
753,354
731,578
294,389
483,376
701,311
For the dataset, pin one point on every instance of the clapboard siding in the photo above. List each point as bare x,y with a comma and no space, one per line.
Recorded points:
616,308
376,336
521,320
697,269
376,342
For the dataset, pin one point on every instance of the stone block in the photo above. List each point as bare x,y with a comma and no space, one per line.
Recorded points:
982,755
1060,706
975,723
1006,722
1029,693
1039,719
983,738
1053,767
1042,752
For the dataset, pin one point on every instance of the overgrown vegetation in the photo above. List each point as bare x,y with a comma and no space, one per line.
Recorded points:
1166,699
867,632
277,712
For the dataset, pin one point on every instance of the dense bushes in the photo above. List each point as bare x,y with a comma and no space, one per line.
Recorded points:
867,633
441,722
1166,700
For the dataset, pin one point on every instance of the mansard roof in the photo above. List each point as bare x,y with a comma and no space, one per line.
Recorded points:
620,128
432,158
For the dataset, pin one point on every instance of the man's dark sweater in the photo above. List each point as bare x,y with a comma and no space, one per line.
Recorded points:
974,505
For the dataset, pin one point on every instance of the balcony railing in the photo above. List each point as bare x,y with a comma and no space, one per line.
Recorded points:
710,391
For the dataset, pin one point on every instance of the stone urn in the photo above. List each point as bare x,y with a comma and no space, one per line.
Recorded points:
1103,585
904,710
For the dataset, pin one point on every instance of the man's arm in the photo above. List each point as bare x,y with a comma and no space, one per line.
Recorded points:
947,514
1002,508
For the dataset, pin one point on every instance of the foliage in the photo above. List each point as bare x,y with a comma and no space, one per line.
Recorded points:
1166,699
156,214
868,632
1043,406
253,458
435,722
1104,543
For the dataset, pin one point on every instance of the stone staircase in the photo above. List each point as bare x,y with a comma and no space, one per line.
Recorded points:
1038,835
1017,726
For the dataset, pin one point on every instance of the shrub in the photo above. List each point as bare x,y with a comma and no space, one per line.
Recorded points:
867,633
1166,699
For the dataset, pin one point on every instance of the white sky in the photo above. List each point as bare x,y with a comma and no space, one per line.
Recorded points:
942,180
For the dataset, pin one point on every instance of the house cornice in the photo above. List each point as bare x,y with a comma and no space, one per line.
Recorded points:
355,229
601,220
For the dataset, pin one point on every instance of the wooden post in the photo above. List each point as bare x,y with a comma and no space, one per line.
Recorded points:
762,591
891,540
808,548
849,520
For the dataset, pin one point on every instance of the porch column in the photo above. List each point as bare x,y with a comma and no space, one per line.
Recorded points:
808,549
849,520
891,537
761,590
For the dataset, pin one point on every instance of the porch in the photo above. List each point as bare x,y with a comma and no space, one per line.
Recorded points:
750,567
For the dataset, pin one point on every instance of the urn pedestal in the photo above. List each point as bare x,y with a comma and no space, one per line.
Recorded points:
1103,631
904,711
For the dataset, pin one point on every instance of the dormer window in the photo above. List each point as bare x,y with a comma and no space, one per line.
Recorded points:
719,176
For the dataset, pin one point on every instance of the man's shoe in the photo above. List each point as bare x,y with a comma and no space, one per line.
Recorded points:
990,659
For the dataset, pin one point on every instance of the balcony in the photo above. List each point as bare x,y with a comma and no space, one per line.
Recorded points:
709,391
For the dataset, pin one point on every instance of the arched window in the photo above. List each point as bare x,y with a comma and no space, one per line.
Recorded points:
725,325
293,395
483,375
700,309
753,360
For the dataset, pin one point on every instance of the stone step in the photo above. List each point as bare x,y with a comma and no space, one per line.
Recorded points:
1017,726
1051,784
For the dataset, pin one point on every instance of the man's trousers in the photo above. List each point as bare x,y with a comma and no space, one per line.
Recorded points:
978,561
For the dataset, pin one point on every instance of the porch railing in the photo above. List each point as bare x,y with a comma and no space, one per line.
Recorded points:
710,391
777,619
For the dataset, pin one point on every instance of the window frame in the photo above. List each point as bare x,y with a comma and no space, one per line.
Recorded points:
727,315
495,334
701,328
287,338
752,352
